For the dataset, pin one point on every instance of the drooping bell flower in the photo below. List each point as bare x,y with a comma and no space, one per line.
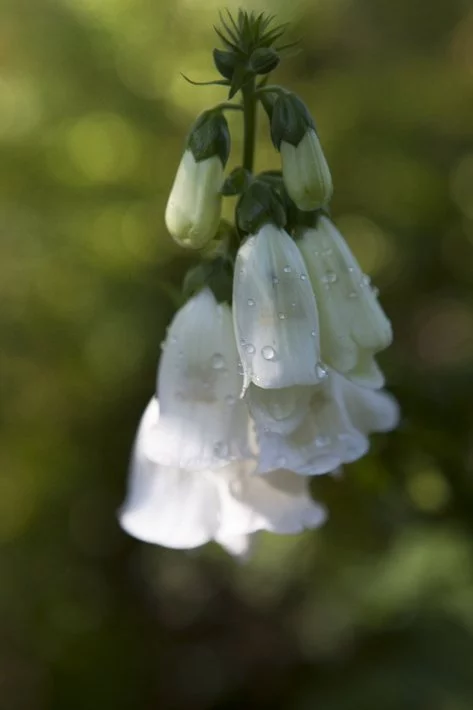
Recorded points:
353,326
275,313
194,205
203,423
184,509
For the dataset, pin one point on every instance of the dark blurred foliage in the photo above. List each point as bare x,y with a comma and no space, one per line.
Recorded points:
375,610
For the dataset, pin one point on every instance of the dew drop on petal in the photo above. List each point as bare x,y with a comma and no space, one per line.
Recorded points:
375,291
351,269
365,280
240,368
275,280
251,302
282,316
313,333
218,361
320,371
329,277
250,349
287,269
303,277
268,352
353,294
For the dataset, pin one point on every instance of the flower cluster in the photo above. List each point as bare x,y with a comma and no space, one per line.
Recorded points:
268,373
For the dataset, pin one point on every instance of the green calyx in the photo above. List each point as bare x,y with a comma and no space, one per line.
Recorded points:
260,204
290,119
237,182
209,136
248,40
216,274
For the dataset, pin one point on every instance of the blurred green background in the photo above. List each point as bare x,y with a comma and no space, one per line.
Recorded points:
375,610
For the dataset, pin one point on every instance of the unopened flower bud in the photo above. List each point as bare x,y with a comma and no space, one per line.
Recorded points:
263,60
194,205
259,205
305,170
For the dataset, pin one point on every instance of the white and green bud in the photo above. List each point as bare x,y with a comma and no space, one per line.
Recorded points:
305,170
194,205
353,326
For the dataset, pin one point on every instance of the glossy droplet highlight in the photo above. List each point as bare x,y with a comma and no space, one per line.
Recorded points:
320,371
268,352
282,316
287,269
251,302
303,277
250,349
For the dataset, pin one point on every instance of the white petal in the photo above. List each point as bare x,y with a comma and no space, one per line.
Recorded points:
370,410
279,410
352,323
240,546
193,209
325,439
306,173
279,502
203,422
366,373
275,315
165,506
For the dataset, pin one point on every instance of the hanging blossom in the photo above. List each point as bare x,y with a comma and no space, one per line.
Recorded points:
268,374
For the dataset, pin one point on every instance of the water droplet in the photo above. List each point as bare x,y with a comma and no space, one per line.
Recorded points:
218,361
250,349
293,304
365,280
268,352
221,449
287,269
353,294
240,368
329,277
230,400
282,316
275,280
375,291
351,269
251,302
320,371
313,333
303,277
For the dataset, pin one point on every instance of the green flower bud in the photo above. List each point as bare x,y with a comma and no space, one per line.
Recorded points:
237,182
225,62
263,60
259,205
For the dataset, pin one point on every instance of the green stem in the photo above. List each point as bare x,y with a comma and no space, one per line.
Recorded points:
249,124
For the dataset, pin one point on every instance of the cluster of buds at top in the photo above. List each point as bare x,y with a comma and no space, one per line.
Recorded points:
268,373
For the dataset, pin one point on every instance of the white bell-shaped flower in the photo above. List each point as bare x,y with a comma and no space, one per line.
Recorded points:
353,325
275,314
184,509
203,423
194,206
306,172
324,440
